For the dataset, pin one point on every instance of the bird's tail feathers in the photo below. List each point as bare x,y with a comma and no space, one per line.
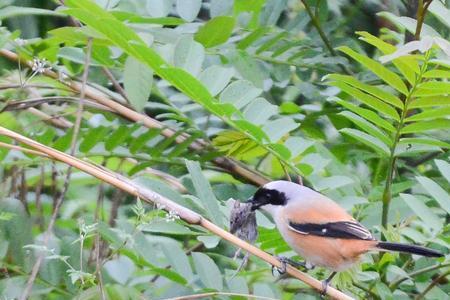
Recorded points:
413,249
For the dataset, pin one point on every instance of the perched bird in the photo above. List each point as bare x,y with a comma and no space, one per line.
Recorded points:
319,230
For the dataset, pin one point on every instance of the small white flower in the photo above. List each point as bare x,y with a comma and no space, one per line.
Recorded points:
172,216
20,42
40,65
423,45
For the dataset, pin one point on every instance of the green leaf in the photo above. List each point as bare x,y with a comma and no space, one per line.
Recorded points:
90,6
429,101
278,128
215,32
15,11
216,78
373,90
369,100
209,241
177,258
159,8
430,114
93,137
406,65
251,38
422,126
368,140
436,74
137,81
436,191
120,269
444,168
425,141
240,93
436,85
271,42
133,18
367,127
169,274
259,110
272,11
248,67
422,211
408,23
254,131
367,114
208,271
204,192
440,11
382,72
281,150
188,9
189,55
237,144
118,137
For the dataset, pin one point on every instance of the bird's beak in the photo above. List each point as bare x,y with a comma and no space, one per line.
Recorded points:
255,205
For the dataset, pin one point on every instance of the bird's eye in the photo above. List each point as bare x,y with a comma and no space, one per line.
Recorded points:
268,195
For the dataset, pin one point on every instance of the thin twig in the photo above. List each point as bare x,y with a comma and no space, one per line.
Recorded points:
27,290
396,283
22,104
316,23
184,213
212,294
22,149
116,84
432,284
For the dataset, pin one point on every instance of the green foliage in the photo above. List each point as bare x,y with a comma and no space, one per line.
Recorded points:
367,126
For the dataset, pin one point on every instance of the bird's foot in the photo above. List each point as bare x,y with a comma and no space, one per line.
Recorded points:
325,285
285,261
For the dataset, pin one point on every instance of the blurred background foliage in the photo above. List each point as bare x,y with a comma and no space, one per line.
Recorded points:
286,89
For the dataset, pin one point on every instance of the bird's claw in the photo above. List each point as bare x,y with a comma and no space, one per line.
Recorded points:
281,270
325,285
285,261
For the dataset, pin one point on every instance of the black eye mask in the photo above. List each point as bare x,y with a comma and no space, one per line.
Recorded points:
265,196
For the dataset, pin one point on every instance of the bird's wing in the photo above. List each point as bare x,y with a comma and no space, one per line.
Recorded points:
341,230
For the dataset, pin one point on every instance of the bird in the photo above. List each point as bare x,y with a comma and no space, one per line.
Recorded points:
320,230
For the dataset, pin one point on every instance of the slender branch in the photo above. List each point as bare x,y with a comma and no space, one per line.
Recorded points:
387,193
22,104
433,284
420,16
211,294
27,290
316,23
115,83
319,29
24,150
233,167
152,197
396,283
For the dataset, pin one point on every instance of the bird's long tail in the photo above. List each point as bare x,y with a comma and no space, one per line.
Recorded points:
413,249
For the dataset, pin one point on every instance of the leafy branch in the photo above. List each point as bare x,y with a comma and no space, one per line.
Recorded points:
152,197
226,163
108,26
389,119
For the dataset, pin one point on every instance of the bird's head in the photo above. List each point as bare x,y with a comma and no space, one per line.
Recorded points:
275,193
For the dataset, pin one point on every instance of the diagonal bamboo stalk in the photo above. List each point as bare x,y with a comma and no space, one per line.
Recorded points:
226,163
186,214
